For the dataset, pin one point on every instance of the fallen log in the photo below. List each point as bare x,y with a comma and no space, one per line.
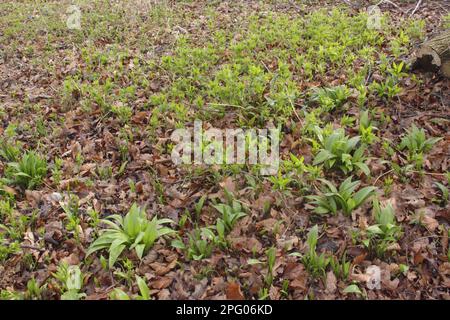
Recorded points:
434,55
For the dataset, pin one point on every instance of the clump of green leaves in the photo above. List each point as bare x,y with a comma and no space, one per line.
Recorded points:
28,172
387,89
446,22
385,232
366,128
71,279
314,263
34,290
444,191
201,243
144,292
71,209
9,150
10,295
340,151
416,142
343,198
123,112
134,231
230,214
340,268
271,256
330,98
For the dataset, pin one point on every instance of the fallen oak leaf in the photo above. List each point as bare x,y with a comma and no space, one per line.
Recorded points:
430,223
161,269
161,283
234,291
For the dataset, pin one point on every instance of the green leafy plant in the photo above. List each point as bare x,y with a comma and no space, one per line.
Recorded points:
366,129
9,150
144,292
396,70
330,98
134,231
387,89
201,243
345,198
34,290
444,191
338,150
340,268
385,232
71,279
353,288
198,206
271,256
446,21
280,182
416,142
230,214
123,112
71,209
10,295
314,263
28,172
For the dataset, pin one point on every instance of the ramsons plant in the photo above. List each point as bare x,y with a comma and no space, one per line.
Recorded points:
340,151
201,243
28,172
314,263
144,292
230,214
416,142
385,232
134,231
71,279
366,128
330,98
344,198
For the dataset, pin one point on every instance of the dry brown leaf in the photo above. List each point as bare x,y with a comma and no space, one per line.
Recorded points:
161,283
234,291
331,282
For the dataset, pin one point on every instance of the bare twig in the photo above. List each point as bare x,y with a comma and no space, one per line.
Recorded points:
382,175
225,105
415,9
387,1
25,246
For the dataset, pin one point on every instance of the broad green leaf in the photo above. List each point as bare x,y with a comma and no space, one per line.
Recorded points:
353,288
114,251
363,194
322,156
143,288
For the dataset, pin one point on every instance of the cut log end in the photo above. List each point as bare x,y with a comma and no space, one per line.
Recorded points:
434,55
445,68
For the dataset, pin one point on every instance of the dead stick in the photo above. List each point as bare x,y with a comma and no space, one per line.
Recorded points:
415,9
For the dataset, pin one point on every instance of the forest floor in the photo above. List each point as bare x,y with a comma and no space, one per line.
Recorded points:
93,207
